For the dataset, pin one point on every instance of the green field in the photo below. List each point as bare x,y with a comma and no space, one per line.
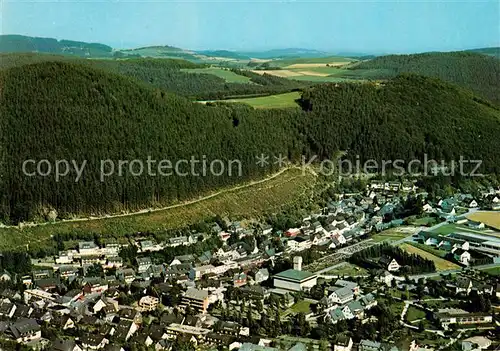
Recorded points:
431,249
301,306
389,235
329,79
251,200
227,75
424,221
495,271
271,101
294,61
441,264
414,313
451,228
347,269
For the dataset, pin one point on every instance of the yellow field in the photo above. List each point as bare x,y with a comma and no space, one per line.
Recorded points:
315,74
490,218
283,73
313,65
441,264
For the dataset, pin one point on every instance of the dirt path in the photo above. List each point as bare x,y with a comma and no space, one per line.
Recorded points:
186,203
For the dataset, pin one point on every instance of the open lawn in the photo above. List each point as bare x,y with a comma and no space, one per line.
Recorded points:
424,221
347,269
271,101
413,313
249,200
495,271
490,218
301,306
393,234
441,264
431,249
225,74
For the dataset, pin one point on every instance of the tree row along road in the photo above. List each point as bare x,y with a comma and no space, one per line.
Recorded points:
185,203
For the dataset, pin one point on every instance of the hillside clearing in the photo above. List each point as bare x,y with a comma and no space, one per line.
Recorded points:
225,74
251,200
271,101
313,65
315,74
283,73
440,263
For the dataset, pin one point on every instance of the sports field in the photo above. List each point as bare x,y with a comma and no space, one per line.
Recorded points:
441,264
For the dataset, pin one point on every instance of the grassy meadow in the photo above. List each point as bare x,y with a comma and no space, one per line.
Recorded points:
441,264
271,101
225,74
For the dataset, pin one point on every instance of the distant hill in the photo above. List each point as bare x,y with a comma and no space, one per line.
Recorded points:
21,43
224,53
286,53
165,51
487,51
477,72
170,75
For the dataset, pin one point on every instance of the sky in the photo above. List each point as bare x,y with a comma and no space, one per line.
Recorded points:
335,26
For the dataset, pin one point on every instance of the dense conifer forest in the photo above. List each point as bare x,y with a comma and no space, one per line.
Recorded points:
73,111
406,118
475,71
166,74
22,43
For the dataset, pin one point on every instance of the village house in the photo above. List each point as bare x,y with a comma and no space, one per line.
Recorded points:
26,330
340,295
461,256
148,303
93,342
343,343
389,263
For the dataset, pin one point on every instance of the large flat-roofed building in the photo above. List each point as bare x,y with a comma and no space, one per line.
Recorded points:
457,316
295,280
197,299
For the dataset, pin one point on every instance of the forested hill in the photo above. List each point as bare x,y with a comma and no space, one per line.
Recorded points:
406,118
487,51
21,43
480,73
167,75
67,111
58,110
